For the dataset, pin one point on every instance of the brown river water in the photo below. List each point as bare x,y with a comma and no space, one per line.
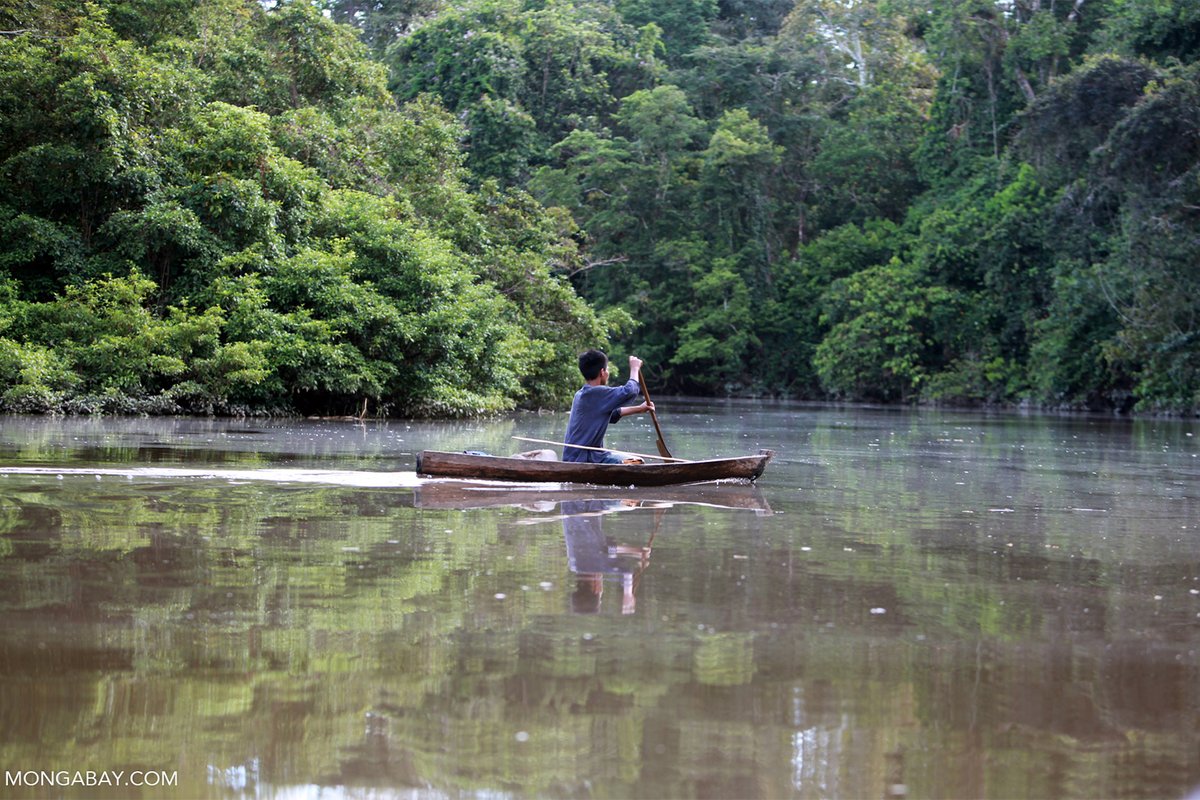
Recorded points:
908,604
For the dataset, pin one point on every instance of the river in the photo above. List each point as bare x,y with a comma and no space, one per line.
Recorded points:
909,603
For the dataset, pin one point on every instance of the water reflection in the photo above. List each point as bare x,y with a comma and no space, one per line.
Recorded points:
932,606
594,558
463,495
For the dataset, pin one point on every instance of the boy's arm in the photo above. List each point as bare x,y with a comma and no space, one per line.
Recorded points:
641,408
632,388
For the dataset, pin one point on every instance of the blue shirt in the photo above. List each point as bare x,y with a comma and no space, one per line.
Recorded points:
592,411
587,546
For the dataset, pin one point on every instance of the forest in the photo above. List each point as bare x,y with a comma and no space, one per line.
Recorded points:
423,208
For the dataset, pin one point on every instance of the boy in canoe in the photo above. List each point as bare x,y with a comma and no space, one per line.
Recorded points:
597,405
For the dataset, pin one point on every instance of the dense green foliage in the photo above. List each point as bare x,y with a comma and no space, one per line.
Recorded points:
959,202
967,202
212,207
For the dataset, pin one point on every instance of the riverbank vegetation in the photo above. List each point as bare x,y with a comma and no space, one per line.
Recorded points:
423,208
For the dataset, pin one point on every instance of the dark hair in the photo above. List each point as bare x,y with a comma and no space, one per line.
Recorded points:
591,362
586,597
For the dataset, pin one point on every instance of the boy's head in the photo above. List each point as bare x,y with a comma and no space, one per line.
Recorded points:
592,363
589,588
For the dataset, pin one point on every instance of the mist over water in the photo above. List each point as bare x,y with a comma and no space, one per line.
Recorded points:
908,603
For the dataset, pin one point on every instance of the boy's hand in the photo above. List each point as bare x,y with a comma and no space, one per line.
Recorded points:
635,367
638,409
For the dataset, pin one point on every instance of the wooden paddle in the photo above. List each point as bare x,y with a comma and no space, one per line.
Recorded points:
660,444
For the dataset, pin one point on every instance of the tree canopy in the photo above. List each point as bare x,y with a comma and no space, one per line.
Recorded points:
214,207
225,205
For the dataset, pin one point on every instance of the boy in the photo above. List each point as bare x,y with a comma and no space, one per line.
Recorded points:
596,405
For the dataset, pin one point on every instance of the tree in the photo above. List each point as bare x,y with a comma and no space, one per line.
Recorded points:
866,165
319,61
881,321
791,322
717,338
462,56
1074,117
502,141
975,100
562,63
78,142
735,187
684,23
169,248
381,22
1160,31
1152,158
859,41
750,19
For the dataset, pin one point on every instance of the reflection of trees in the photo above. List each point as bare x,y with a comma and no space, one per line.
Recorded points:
334,635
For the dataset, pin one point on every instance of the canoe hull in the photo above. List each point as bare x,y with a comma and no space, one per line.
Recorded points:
438,464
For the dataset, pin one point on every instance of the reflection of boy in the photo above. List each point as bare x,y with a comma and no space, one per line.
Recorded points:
591,557
597,405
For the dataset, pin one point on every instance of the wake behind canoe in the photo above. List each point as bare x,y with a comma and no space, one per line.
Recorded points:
439,464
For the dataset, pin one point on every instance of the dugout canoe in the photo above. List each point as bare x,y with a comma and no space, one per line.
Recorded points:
439,464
